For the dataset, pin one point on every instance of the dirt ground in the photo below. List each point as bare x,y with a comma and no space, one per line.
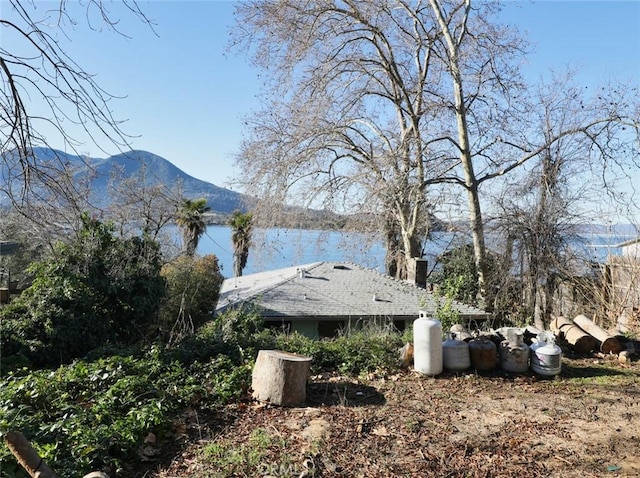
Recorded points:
583,423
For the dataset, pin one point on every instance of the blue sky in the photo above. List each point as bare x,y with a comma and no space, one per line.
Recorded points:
185,97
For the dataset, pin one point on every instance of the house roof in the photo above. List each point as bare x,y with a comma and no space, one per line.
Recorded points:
628,243
331,290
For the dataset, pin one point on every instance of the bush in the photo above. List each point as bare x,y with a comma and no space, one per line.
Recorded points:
351,354
96,290
95,415
193,285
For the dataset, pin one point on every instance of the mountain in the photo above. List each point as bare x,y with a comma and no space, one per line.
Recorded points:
158,171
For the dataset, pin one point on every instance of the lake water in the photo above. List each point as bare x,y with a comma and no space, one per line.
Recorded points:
278,248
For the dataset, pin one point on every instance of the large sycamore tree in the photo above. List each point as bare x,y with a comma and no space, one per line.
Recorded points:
346,123
378,107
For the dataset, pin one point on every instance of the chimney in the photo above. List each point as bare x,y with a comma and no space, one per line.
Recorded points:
417,272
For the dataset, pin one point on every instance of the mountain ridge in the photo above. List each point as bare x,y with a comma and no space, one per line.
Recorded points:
159,170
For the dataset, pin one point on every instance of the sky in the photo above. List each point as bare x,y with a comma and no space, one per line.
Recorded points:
184,97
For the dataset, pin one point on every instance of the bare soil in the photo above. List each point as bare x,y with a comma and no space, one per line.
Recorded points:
583,423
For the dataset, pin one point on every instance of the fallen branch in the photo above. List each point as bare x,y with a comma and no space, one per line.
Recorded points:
27,456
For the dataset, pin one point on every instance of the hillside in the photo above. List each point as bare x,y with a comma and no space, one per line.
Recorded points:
158,171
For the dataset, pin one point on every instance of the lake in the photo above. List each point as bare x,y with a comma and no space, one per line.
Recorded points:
278,248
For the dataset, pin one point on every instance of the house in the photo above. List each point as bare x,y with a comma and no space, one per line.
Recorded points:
622,277
630,248
319,299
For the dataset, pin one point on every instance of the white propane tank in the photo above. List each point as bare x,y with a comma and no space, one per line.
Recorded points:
427,345
455,354
546,356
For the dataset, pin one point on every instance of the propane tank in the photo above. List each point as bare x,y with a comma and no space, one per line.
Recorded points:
483,354
514,354
455,354
546,356
427,345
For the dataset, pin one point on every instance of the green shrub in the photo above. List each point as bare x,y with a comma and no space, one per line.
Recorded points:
351,354
193,285
94,291
94,415
458,278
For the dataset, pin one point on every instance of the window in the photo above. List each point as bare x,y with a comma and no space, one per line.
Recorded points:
283,326
330,328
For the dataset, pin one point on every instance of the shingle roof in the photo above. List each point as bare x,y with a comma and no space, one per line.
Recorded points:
630,242
331,290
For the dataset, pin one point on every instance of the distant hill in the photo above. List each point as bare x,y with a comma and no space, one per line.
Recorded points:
158,171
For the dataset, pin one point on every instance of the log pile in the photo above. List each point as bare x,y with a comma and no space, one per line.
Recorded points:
580,340
584,336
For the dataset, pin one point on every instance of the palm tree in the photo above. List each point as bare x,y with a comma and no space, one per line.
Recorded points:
241,229
190,220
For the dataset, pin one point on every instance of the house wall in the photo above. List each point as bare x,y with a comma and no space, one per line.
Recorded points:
308,328
624,292
632,250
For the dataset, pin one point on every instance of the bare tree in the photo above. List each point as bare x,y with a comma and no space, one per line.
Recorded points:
141,202
34,65
345,125
544,205
373,104
494,135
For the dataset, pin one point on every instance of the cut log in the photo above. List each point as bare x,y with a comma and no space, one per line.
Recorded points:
27,456
608,343
280,378
406,355
581,341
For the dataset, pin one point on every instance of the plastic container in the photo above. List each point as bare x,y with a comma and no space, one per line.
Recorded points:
514,354
483,354
455,354
546,356
427,345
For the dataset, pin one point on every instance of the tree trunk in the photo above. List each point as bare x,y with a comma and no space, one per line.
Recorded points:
280,378
470,180
540,304
608,343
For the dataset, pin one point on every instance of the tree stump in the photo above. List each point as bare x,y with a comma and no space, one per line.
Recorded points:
280,378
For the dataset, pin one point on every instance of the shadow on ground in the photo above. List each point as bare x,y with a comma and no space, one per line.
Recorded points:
342,393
